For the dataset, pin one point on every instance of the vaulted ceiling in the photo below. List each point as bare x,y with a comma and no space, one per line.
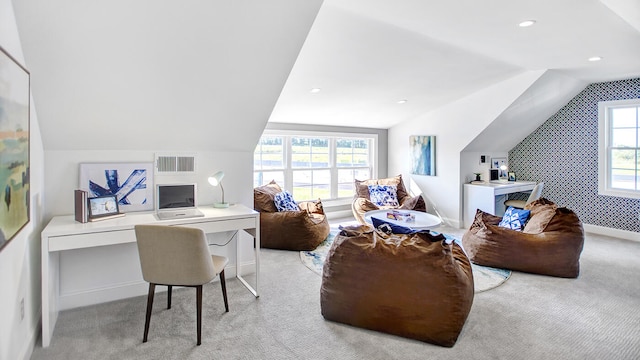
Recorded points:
366,55
209,74
159,74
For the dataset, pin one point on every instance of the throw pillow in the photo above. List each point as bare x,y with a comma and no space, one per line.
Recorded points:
393,228
384,195
284,201
514,219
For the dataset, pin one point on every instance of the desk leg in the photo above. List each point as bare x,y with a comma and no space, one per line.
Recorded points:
257,257
49,292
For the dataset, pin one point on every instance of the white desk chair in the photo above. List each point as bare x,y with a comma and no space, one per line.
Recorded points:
535,195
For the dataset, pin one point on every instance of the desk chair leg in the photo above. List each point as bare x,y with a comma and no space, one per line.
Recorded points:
169,296
152,290
199,311
223,284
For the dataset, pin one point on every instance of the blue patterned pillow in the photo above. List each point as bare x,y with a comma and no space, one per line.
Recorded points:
284,201
514,219
384,195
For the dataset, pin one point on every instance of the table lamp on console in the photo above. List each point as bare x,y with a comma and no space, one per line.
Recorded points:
215,180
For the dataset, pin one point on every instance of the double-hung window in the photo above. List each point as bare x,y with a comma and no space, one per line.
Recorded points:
619,148
314,165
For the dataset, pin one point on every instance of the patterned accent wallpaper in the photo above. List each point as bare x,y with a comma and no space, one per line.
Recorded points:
563,153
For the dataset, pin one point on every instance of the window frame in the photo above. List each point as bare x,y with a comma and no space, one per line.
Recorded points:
288,170
605,147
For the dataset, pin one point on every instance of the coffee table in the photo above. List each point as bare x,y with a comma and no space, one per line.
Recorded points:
423,220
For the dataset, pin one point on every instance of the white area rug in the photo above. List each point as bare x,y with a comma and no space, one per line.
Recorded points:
484,277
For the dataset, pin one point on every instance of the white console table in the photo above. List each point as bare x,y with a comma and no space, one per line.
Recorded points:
490,196
64,233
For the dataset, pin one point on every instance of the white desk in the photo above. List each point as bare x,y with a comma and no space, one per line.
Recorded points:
490,196
64,233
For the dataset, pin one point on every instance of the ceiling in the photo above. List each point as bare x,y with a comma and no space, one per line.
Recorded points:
366,55
159,74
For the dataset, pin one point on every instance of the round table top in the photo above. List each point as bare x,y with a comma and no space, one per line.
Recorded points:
422,220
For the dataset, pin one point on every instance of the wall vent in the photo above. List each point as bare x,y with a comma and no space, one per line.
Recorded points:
175,164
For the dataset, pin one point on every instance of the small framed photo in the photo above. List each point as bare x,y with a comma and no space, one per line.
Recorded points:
103,206
511,176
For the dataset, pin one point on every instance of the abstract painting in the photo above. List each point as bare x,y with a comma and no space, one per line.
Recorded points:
423,155
131,183
14,147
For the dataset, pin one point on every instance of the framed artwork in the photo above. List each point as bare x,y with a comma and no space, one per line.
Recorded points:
131,183
14,147
501,165
103,206
511,176
423,155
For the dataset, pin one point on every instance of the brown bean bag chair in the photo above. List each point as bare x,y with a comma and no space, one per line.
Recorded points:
549,244
416,286
289,230
362,202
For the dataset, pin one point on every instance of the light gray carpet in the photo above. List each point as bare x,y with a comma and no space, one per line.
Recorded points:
596,316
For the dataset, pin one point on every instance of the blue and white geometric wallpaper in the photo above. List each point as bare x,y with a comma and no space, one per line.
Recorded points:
563,153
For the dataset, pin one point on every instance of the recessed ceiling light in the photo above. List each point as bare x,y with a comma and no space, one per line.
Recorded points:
527,23
595,58
315,90
402,101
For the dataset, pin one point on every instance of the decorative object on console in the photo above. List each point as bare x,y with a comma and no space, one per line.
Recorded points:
103,208
215,180
501,165
477,176
131,183
511,176
423,155
14,147
80,200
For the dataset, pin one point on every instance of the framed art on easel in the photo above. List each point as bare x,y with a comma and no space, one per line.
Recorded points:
14,147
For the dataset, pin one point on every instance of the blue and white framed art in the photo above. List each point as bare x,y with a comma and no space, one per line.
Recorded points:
423,154
132,183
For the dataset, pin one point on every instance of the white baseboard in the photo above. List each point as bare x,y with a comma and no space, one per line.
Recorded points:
617,233
339,214
130,289
30,345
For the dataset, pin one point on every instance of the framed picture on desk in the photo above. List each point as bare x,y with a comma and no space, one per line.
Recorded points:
501,165
511,176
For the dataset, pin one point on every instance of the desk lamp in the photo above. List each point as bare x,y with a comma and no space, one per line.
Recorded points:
215,180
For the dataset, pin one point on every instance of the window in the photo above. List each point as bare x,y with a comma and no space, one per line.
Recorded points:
619,148
313,166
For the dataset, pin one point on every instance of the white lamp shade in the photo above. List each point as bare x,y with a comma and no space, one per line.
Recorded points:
216,178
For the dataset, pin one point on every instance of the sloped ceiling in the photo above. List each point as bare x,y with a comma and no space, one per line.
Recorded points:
159,74
366,55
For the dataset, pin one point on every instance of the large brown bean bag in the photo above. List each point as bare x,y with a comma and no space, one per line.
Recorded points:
406,285
550,243
362,202
289,230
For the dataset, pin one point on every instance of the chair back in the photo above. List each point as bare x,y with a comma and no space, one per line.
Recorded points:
174,255
535,193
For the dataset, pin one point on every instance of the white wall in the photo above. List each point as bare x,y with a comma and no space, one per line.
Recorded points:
20,258
454,125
